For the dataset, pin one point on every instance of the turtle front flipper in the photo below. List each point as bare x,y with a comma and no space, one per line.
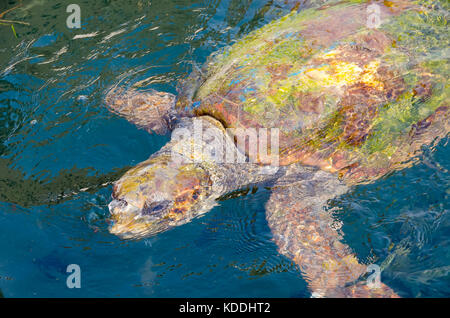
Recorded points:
152,110
307,233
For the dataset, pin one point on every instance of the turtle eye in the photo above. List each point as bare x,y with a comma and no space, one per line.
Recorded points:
156,209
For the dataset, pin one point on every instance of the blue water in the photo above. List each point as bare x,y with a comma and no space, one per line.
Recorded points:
60,150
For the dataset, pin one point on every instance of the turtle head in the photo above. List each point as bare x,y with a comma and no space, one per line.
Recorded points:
157,195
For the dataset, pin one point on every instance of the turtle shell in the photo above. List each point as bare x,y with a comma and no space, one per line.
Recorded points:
345,97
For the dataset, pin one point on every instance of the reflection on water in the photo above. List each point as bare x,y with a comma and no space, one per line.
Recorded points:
402,223
61,149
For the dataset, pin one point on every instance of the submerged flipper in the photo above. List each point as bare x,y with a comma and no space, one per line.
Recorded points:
152,110
307,233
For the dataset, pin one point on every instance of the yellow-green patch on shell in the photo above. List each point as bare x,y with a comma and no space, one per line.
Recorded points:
345,97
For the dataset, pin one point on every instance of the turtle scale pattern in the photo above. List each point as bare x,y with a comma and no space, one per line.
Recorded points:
346,98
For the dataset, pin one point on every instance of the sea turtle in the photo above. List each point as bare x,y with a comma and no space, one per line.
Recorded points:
346,101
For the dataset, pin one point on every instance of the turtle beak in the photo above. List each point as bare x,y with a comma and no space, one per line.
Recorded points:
128,228
125,221
130,222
